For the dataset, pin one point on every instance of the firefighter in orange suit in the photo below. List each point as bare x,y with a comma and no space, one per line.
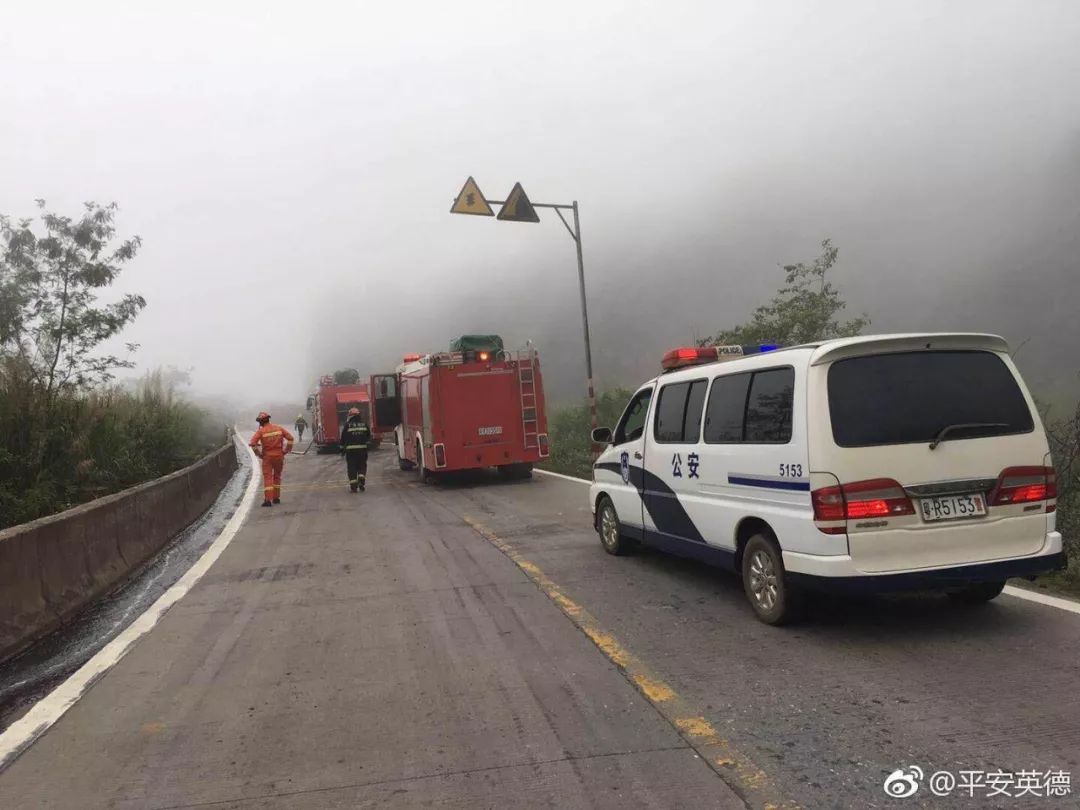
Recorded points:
271,442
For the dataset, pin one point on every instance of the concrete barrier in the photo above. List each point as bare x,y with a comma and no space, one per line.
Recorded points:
52,567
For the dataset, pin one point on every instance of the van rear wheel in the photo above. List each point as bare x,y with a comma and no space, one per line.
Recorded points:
765,582
977,593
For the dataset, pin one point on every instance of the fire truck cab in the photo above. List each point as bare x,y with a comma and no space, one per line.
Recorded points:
458,410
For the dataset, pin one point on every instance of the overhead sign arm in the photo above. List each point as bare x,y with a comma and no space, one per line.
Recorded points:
569,230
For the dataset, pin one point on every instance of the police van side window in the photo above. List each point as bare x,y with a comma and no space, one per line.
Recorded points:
768,408
751,408
726,409
632,424
678,412
669,412
695,404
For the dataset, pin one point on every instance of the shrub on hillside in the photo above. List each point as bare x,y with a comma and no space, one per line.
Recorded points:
86,445
1064,436
569,429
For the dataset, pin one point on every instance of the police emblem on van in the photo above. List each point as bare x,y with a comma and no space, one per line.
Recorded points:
624,467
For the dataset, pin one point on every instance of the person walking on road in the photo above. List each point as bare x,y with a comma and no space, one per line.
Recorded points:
271,442
301,425
355,436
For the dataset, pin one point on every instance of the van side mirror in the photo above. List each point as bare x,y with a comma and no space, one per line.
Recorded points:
310,403
601,435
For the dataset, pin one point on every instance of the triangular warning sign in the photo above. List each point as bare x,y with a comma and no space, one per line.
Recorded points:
517,207
471,201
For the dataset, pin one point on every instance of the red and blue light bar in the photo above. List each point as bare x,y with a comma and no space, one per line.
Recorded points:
696,355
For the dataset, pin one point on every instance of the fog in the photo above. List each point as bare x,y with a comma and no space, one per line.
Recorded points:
290,168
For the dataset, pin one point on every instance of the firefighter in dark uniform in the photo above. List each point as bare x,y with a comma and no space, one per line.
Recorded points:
355,436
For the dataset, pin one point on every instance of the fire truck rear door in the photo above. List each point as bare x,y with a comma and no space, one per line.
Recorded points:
386,403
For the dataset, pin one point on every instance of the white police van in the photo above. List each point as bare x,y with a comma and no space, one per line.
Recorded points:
883,463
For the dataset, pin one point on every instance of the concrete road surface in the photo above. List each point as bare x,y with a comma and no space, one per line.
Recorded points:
470,645
360,651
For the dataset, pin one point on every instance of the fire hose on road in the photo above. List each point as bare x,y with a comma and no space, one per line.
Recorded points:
304,453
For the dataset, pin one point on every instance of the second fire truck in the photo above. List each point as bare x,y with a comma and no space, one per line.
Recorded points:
329,407
475,407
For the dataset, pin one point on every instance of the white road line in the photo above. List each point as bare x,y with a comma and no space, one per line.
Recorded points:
21,734
1043,599
1020,593
560,475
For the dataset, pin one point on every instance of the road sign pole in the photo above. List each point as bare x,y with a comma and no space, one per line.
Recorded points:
585,325
517,207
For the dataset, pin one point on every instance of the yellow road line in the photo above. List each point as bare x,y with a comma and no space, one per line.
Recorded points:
751,783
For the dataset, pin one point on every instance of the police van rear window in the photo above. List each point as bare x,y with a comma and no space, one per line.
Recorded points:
913,396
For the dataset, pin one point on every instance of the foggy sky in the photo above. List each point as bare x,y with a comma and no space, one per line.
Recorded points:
290,168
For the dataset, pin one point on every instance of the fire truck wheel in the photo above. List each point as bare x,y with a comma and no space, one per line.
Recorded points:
422,474
403,463
607,526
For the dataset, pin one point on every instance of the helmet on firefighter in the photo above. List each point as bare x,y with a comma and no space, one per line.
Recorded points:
354,412
262,418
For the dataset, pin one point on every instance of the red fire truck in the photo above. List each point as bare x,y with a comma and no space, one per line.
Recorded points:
329,407
461,410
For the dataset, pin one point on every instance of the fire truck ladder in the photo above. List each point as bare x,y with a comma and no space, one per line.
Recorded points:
530,420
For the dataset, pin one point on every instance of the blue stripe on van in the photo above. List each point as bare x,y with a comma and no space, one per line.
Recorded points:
769,483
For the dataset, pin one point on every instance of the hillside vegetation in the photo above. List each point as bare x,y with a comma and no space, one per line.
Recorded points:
68,432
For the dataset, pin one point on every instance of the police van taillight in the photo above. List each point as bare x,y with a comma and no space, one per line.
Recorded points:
859,500
1025,485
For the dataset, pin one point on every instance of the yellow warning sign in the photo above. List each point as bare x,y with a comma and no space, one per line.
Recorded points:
471,201
517,207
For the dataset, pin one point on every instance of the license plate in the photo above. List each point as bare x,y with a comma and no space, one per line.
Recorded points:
952,507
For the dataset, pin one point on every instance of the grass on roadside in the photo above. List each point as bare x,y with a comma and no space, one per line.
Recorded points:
569,430
83,446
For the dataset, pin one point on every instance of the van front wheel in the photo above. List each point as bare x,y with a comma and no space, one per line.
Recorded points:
607,526
774,601
977,593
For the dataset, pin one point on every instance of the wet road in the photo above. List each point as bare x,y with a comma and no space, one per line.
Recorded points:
470,645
